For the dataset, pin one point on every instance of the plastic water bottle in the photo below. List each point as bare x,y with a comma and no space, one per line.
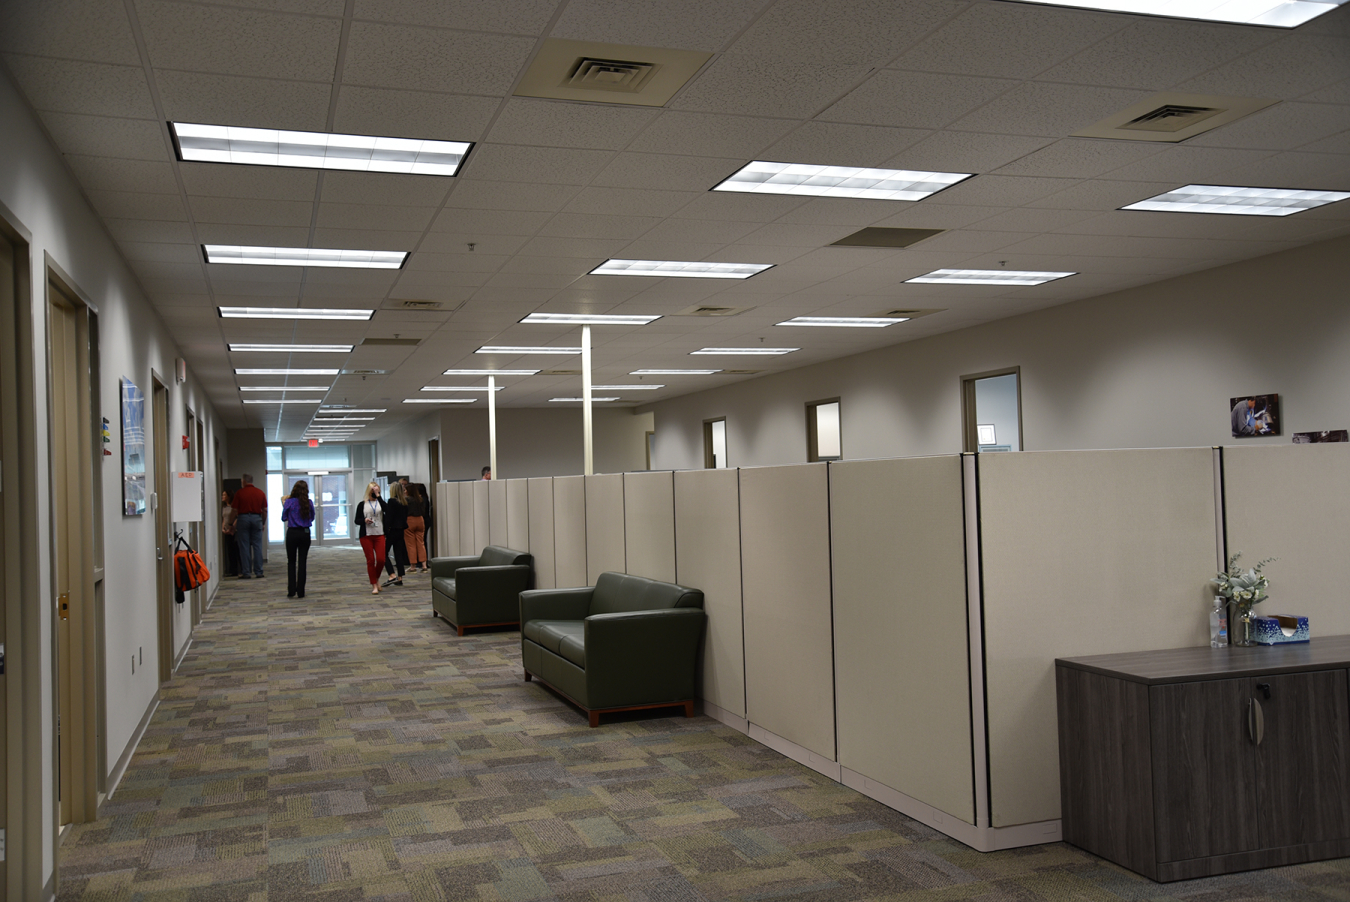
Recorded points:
1218,624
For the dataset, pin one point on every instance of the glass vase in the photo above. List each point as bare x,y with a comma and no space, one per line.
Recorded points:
1241,628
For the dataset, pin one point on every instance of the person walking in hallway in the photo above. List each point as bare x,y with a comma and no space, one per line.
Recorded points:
298,514
369,516
414,537
251,505
228,516
395,525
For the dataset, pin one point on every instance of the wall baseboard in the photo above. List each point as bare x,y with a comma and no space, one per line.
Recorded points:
183,654
124,761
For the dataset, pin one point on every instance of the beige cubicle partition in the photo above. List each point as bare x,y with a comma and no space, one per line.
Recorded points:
541,531
649,524
789,656
1083,552
569,531
708,557
482,514
497,518
518,514
446,514
900,628
466,536
604,526
1288,502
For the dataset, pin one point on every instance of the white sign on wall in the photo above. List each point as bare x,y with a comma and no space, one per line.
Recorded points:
187,497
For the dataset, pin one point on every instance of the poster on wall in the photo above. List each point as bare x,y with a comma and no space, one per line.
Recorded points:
1255,415
1326,435
133,450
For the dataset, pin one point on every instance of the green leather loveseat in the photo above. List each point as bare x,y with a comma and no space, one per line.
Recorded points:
481,590
627,643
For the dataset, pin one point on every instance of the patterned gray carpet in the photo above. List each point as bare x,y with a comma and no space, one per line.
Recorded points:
347,746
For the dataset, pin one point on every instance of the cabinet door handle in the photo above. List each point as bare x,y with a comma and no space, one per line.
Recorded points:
1256,721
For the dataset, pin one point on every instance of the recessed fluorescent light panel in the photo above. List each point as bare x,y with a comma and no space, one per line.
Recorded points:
482,388
280,401
290,349
673,372
439,400
988,277
1237,201
490,373
293,313
323,419
346,410
284,372
844,322
1276,13
316,150
678,269
505,349
594,319
743,352
593,399
303,256
652,387
284,388
762,177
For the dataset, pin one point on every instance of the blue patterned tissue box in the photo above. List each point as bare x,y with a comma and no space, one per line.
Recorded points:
1280,629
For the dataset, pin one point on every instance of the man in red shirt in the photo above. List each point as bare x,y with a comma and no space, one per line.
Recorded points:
251,504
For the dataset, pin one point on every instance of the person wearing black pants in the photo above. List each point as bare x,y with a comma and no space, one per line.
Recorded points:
395,525
298,515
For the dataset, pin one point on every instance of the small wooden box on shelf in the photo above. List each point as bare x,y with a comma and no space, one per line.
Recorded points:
1191,762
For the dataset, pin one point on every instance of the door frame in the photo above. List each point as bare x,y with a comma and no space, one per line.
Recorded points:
163,521
970,438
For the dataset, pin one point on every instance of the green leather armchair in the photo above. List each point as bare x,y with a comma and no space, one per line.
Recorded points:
626,644
481,590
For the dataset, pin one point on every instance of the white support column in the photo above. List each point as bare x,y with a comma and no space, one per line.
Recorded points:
492,425
587,454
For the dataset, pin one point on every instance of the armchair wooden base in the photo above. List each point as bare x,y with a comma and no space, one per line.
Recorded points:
594,713
459,630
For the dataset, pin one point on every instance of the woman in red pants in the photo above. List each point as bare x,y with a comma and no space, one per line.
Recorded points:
369,516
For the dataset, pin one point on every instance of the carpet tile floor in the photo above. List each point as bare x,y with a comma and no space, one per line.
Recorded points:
348,746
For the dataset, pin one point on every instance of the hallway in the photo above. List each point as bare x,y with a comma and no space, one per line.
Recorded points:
346,746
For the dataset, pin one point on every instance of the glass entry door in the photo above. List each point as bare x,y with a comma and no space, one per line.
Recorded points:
332,518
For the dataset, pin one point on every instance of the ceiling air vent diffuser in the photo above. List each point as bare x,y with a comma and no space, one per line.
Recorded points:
609,73
709,310
1173,117
398,342
878,236
560,373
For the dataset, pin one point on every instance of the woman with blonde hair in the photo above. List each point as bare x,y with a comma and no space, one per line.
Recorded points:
369,515
395,525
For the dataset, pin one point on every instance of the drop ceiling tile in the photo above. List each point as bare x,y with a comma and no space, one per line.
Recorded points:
564,124
1147,223
534,296
71,29
456,247
190,270
698,231
1280,127
374,216
1334,144
551,165
247,42
252,235
489,222
974,152
165,288
426,59
261,182
720,206
782,234
850,32
977,41
152,231
246,278
1335,93
135,205
838,144
932,215
598,248
693,25
1315,171
251,211
413,114
1187,164
528,280
969,241
181,301
768,86
235,100
161,253
666,171
573,267
430,265
1080,158
416,280
509,16
1102,195
1048,110
585,225
647,248
99,136
498,196
1002,190
1294,64
1157,54
366,239
915,99
629,201
1030,219
70,86
108,174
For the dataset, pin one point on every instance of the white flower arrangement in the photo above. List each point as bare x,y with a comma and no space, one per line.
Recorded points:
1243,589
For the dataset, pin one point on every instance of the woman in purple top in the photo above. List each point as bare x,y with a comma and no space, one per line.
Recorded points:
298,514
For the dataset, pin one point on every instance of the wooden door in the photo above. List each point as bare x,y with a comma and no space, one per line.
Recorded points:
1204,795
1303,759
163,539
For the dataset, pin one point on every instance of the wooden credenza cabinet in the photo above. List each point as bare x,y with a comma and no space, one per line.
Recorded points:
1197,761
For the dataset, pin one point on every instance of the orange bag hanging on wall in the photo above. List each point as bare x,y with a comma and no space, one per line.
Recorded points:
189,570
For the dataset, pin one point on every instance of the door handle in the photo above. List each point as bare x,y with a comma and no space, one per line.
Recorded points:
1256,721
159,553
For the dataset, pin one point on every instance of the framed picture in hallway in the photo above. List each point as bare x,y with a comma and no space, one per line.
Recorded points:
1255,415
133,450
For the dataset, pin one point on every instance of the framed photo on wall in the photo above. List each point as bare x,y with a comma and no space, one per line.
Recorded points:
133,450
1253,416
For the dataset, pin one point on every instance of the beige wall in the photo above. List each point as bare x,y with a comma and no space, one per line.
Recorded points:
534,441
1152,366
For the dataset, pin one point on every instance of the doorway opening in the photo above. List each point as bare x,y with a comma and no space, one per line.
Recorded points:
991,410
824,439
714,445
159,503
